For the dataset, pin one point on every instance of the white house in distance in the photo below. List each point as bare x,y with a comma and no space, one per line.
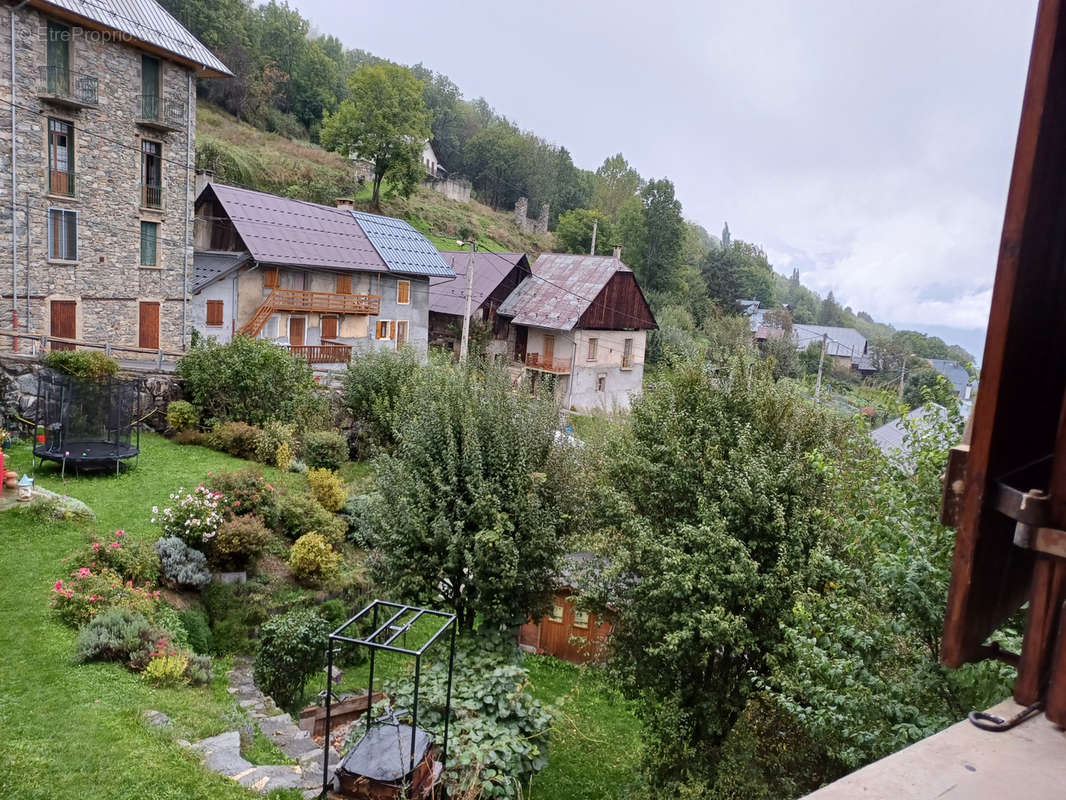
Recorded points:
582,321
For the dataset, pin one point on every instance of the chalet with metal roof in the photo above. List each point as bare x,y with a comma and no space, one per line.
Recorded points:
101,97
581,322
323,281
845,346
495,276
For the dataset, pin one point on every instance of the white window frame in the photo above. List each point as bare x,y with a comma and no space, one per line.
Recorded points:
388,330
271,326
581,618
77,235
562,613
396,331
398,293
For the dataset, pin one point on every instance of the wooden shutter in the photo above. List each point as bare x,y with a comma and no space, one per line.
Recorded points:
63,320
329,328
148,326
296,331
270,277
214,312
401,332
344,284
403,292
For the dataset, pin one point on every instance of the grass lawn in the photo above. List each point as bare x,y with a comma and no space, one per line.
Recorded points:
71,730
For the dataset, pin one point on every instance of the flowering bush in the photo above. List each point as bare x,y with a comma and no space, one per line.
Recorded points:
195,516
88,593
246,492
134,560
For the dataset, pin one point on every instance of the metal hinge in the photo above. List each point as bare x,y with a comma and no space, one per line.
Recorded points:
1031,510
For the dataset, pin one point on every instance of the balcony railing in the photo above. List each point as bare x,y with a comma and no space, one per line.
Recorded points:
157,112
69,88
61,182
151,196
326,353
323,302
558,366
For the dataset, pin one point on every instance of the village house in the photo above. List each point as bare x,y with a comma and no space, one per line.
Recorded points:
580,322
96,171
844,346
325,282
496,275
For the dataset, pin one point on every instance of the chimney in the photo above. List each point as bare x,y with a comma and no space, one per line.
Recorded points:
345,202
203,177
617,251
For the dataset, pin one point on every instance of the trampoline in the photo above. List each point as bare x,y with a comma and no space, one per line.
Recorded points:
88,424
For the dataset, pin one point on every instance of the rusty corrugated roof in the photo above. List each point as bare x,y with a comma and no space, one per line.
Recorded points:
148,22
561,289
448,295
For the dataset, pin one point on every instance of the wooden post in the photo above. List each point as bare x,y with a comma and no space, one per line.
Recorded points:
464,345
821,360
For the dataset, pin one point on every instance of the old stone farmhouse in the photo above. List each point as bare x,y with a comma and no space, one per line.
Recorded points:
96,171
324,282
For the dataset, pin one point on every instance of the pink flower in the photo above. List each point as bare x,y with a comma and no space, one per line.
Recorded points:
84,572
59,586
119,533
96,547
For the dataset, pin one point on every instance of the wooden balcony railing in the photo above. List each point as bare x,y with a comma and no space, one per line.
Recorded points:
323,302
558,366
326,353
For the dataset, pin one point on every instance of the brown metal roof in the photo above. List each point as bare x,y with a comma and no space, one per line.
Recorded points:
561,289
448,295
277,230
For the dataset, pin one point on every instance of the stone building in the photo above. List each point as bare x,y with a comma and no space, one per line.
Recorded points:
323,282
96,193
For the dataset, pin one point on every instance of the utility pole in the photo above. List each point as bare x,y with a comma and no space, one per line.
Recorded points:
464,345
902,375
821,360
595,225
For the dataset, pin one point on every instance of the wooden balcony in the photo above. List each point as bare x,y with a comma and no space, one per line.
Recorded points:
325,353
556,366
323,302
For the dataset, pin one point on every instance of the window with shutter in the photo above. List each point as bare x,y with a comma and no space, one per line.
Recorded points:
62,234
403,292
344,284
149,244
270,277
151,174
383,329
214,312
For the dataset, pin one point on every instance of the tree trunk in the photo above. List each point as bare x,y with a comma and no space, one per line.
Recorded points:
377,192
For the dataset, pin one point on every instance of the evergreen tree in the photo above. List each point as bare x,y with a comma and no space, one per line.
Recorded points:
727,240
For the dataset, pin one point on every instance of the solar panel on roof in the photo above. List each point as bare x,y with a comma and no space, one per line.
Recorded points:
401,247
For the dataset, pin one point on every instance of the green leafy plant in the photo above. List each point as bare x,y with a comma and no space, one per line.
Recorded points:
182,415
313,560
86,364
328,488
300,513
112,636
198,630
167,671
325,449
239,540
357,514
236,438
274,435
375,385
291,649
245,492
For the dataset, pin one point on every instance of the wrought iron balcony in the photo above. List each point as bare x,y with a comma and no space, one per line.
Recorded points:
68,88
152,196
61,182
156,112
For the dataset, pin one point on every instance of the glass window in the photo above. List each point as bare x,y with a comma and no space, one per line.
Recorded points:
151,174
383,329
556,613
62,234
149,87
581,619
58,56
593,347
60,157
601,382
150,244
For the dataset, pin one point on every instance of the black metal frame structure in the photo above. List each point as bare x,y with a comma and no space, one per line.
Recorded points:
87,423
394,631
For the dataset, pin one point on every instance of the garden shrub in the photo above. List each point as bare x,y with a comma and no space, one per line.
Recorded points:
195,516
236,438
180,564
273,436
328,449
198,629
300,513
299,466
328,488
169,621
167,671
291,650
88,593
198,670
135,560
356,513
239,540
233,620
112,636
191,437
182,415
246,491
313,560
283,457
86,364
251,380
375,385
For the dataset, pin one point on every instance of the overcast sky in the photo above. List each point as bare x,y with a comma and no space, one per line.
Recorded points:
868,144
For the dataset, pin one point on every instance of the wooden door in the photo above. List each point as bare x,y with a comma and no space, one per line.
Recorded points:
329,328
344,284
549,350
148,328
64,322
296,331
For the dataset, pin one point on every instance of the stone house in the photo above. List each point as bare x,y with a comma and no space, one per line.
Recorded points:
323,281
496,275
96,171
581,322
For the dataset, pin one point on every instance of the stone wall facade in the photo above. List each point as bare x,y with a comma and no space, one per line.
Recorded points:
527,225
106,280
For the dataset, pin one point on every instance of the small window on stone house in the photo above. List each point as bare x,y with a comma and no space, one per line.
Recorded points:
214,312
